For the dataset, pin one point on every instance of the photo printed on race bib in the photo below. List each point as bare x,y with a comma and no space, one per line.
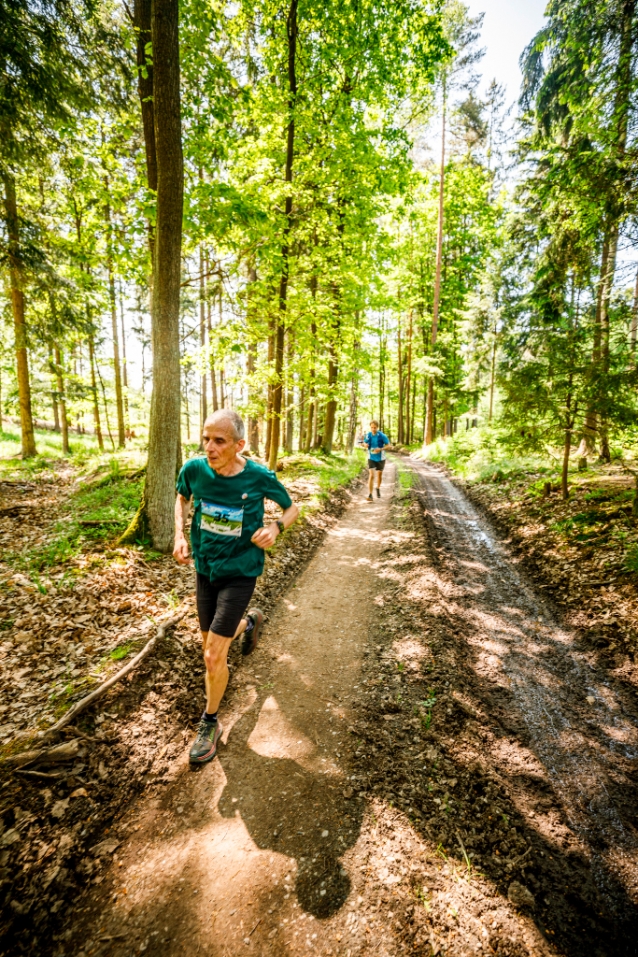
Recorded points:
221,520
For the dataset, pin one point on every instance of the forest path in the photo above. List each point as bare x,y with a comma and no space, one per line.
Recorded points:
575,727
252,848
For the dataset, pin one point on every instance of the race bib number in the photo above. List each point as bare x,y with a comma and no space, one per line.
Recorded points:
221,520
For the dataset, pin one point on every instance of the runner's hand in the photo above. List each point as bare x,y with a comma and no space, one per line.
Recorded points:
180,552
266,537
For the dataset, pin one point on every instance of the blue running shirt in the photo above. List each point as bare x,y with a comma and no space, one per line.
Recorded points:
374,442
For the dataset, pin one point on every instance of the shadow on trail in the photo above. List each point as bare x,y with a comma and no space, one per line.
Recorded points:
290,810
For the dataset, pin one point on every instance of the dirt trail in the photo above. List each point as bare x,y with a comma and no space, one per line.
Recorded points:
576,728
252,849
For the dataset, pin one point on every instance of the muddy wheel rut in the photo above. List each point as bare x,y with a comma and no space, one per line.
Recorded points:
580,726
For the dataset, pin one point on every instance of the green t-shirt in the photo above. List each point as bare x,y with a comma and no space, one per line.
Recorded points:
228,512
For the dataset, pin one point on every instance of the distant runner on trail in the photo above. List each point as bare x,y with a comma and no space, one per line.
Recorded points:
228,540
375,441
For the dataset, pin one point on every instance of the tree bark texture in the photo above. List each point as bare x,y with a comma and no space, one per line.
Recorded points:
400,436
16,280
124,368
634,325
96,406
164,429
213,377
64,419
203,404
142,22
290,414
119,402
277,389
253,392
429,421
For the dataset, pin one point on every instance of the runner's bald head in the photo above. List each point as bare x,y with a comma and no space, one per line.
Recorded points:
226,418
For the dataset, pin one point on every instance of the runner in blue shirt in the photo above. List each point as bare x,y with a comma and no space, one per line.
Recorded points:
375,441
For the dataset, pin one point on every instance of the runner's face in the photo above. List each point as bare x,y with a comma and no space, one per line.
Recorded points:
374,428
220,446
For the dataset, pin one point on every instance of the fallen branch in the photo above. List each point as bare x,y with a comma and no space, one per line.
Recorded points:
122,673
60,754
41,775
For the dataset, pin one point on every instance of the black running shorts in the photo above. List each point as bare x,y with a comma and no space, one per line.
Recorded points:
221,604
379,466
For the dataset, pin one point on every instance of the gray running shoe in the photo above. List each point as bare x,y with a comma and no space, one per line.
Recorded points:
249,641
205,744
369,499
378,493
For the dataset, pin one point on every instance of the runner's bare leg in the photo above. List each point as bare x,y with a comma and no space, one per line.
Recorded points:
371,480
215,649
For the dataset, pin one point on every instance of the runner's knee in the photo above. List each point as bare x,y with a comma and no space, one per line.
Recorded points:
214,659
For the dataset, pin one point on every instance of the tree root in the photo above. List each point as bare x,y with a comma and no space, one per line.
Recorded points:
98,692
138,530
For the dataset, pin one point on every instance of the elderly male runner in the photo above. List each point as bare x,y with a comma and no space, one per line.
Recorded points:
228,540
375,442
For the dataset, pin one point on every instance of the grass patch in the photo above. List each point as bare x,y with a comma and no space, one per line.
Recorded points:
482,455
122,651
327,472
113,503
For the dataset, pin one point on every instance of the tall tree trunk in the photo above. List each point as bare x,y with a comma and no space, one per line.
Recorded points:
164,449
634,325
354,397
331,404
96,407
142,24
203,407
223,396
124,368
567,447
382,379
333,376
16,280
290,394
64,420
408,384
253,394
412,415
54,393
302,418
269,391
106,407
492,374
213,377
119,403
429,420
253,421
400,420
291,31
605,453
312,412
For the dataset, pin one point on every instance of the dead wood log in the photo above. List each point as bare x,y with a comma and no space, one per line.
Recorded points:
133,663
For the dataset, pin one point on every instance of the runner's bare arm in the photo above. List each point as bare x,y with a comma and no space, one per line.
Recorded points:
267,536
180,551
